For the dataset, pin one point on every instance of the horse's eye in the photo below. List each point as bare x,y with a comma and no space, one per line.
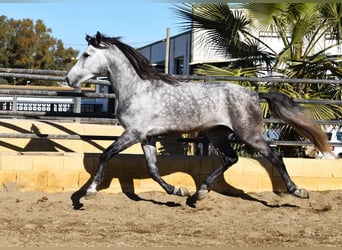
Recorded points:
85,54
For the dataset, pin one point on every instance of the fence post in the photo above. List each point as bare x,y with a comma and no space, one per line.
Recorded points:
14,107
207,78
77,104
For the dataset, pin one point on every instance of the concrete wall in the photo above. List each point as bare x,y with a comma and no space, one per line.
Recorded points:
66,165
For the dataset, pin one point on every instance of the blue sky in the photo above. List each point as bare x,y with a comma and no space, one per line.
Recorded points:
137,22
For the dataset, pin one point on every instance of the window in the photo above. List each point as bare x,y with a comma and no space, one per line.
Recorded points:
179,65
160,66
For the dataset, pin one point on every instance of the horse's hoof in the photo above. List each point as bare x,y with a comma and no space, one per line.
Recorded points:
182,191
201,194
90,195
301,193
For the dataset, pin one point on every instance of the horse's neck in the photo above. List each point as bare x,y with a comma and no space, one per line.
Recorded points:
123,78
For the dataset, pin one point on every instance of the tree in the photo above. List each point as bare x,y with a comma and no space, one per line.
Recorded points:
63,58
28,44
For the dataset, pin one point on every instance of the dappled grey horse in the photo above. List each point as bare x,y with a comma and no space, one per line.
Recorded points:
152,104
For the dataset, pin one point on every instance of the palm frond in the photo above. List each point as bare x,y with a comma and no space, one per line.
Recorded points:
264,13
225,29
323,111
332,14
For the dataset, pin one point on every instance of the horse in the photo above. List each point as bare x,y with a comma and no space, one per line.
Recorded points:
151,104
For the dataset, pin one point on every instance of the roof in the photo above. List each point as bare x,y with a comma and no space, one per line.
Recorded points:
163,40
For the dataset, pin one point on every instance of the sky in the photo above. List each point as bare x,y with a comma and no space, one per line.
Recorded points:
137,22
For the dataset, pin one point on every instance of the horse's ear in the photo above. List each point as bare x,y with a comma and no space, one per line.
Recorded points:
95,41
98,38
88,38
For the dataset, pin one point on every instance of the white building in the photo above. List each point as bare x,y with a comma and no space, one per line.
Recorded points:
185,51
189,49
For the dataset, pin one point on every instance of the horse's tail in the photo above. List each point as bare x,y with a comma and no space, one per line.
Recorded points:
286,109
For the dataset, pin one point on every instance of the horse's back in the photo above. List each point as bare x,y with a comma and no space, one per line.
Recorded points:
211,104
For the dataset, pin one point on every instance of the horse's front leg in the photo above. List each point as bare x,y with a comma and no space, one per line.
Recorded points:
150,151
127,139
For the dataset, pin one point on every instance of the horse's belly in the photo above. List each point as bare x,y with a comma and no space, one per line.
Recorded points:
194,122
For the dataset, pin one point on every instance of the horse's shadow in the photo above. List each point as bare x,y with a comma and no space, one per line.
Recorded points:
126,171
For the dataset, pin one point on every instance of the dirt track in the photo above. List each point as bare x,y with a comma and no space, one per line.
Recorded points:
157,219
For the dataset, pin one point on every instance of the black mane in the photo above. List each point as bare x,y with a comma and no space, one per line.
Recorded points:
141,65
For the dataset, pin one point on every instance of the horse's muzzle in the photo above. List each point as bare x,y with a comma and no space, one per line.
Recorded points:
69,82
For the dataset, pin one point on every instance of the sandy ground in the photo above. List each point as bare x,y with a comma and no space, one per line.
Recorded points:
157,219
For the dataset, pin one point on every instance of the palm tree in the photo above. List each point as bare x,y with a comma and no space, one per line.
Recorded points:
226,30
300,27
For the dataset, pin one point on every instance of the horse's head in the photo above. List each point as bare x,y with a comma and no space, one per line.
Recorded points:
92,62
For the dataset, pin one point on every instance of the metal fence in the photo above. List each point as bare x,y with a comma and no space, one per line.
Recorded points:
47,108
63,104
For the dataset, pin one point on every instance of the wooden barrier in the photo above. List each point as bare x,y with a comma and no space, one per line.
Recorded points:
60,172
57,165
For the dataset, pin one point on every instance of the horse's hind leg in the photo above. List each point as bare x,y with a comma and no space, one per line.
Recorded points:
219,138
256,140
278,162
150,151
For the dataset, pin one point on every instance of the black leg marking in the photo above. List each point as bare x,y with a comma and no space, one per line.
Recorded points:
219,138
